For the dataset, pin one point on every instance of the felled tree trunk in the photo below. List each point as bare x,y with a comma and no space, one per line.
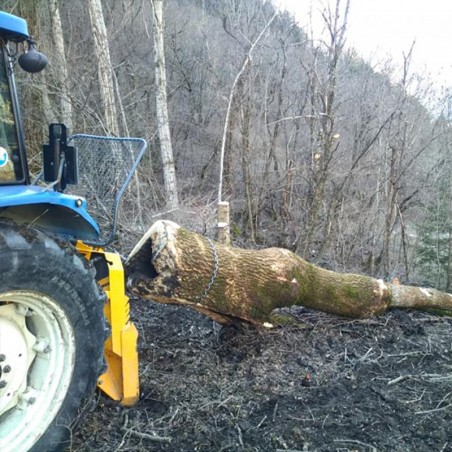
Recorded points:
173,265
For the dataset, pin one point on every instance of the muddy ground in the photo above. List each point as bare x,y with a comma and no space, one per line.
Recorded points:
324,384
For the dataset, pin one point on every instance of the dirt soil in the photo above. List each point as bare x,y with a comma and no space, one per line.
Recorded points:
324,384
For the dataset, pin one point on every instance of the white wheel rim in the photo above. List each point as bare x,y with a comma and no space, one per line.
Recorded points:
37,355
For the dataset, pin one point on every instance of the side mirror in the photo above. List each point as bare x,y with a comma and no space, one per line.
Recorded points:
32,60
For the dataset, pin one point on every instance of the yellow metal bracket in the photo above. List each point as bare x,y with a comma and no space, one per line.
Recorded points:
121,380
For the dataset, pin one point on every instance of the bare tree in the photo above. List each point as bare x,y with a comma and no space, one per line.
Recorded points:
231,98
166,149
61,73
105,70
322,121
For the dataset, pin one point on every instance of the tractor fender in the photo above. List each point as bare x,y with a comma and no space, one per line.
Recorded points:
52,211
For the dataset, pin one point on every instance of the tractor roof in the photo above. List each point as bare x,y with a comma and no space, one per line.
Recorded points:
12,28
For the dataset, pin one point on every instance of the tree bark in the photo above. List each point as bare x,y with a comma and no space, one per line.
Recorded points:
166,148
59,57
105,70
173,265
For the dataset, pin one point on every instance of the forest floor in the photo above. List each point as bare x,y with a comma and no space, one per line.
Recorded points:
324,384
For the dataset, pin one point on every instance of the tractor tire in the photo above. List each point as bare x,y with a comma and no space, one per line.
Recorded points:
52,334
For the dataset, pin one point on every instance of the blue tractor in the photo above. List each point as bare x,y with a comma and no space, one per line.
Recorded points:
64,315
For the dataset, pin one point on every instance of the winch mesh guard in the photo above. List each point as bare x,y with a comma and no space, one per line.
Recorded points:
106,166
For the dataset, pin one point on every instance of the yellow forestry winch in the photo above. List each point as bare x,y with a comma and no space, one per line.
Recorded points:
120,381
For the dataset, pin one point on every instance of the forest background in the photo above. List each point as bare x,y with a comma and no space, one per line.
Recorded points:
346,166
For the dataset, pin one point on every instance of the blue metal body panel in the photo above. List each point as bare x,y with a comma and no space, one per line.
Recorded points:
46,209
13,28
53,211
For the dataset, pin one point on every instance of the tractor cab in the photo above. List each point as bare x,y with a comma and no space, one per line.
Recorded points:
13,165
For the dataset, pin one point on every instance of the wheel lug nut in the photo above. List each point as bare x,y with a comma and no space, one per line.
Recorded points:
2,358
6,369
42,345
27,398
3,384
21,309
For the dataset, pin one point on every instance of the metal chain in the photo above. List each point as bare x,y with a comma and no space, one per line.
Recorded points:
216,266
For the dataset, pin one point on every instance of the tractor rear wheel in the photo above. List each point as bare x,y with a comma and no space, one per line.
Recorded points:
52,334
